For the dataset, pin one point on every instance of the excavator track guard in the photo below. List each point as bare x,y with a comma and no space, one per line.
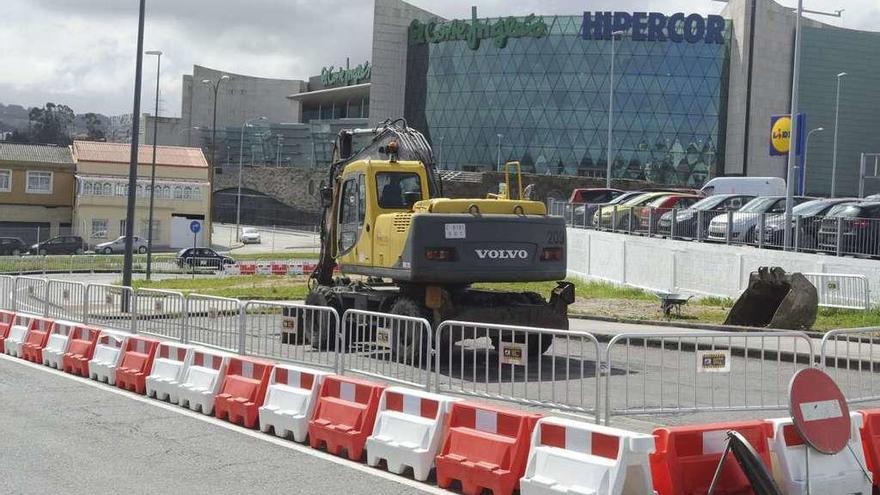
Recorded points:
776,299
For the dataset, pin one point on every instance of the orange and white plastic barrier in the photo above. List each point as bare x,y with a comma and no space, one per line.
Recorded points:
290,401
56,346
36,339
838,473
137,360
408,430
18,334
573,457
108,353
80,350
243,391
7,319
168,367
485,447
345,415
201,380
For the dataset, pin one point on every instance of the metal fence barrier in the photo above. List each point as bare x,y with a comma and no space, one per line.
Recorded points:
850,357
506,362
66,300
215,322
392,347
29,295
688,372
292,332
110,306
7,282
161,313
840,290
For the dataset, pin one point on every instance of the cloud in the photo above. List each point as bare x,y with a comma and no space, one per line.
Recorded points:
81,52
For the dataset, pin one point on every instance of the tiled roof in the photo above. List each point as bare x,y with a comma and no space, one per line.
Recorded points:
35,153
93,151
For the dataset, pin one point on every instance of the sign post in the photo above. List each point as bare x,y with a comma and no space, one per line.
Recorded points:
195,227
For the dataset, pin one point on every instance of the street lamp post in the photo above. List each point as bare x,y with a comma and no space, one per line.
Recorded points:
128,260
215,87
499,150
806,149
610,157
158,54
834,148
247,123
795,130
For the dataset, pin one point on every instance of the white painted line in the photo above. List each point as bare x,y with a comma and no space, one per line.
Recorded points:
289,444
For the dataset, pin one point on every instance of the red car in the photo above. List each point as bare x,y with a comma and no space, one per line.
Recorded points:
648,221
593,195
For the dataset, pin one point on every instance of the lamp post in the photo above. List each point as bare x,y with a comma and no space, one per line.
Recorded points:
610,158
158,54
128,260
499,151
795,130
834,148
806,149
247,123
215,86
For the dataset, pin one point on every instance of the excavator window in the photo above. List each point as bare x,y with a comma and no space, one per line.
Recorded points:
392,188
350,218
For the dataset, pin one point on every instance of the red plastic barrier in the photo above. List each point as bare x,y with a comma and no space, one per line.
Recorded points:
36,339
687,456
243,391
247,268
485,447
871,443
137,360
279,268
80,350
345,415
7,319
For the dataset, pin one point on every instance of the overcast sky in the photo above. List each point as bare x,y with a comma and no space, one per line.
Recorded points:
81,52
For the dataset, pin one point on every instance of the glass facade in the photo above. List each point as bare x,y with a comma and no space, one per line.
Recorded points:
548,100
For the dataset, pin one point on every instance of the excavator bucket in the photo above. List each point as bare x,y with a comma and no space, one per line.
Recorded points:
776,299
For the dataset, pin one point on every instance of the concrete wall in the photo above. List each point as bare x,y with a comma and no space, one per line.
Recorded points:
693,268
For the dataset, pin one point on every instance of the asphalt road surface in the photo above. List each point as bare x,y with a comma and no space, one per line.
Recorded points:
62,434
273,240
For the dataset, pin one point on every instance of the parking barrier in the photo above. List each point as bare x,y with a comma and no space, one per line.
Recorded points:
107,355
408,430
18,333
345,415
290,401
168,369
56,346
7,319
573,457
871,443
201,380
80,350
135,365
243,391
36,339
485,447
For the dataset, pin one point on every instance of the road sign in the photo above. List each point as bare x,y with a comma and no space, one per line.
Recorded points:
819,411
195,226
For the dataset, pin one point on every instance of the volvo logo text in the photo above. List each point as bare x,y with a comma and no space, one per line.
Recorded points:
502,254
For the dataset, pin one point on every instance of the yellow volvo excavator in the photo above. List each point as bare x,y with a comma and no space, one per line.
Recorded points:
415,253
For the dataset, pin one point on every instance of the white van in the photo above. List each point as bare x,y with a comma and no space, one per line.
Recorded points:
754,186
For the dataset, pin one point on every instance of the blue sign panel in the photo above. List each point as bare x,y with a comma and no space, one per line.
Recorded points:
654,26
195,226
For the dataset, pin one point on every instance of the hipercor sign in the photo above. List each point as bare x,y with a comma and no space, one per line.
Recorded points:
654,26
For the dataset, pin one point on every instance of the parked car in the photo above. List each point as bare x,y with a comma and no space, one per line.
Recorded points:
873,197
12,246
250,235
752,186
583,213
859,228
811,214
604,217
117,246
650,214
745,220
593,195
202,258
702,211
64,244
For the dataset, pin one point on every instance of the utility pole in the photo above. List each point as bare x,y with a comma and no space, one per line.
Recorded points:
158,55
795,129
133,160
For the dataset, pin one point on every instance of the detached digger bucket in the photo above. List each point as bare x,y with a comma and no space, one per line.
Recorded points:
776,299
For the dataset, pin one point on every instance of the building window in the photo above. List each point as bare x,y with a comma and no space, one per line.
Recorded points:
197,193
99,228
5,180
178,192
88,189
39,182
108,189
187,193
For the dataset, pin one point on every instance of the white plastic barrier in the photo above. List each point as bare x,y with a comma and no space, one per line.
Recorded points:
290,401
108,353
574,457
17,334
53,353
168,368
838,473
201,380
408,430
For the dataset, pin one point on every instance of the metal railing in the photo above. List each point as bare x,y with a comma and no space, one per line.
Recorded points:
66,300
850,357
110,306
841,290
29,295
161,313
292,332
215,322
392,347
688,372
6,284
535,366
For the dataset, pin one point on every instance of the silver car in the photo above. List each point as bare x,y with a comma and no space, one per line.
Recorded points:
745,220
117,246
250,235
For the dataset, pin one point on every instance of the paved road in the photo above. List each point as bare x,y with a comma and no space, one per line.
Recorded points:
273,240
62,434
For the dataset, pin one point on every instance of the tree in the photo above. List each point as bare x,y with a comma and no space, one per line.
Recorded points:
50,124
94,127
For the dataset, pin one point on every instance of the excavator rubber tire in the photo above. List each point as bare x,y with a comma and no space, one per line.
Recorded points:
321,339
410,345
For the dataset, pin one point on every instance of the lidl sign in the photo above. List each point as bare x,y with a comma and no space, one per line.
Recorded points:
780,134
654,26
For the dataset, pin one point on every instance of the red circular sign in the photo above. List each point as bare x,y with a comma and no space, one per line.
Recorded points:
819,410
